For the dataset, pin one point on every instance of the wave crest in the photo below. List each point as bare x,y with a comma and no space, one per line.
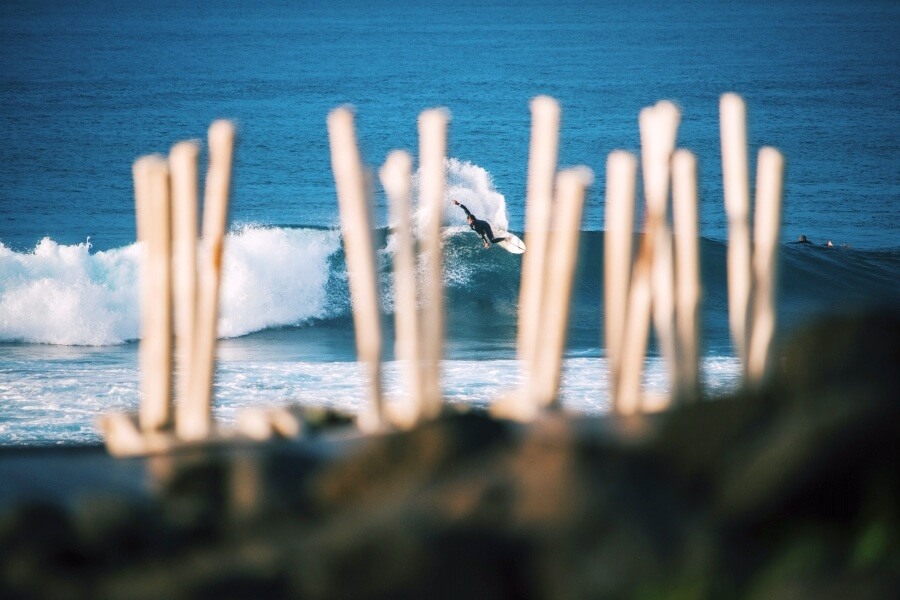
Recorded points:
63,294
274,277
286,276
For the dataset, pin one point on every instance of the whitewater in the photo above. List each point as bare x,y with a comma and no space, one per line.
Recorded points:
66,295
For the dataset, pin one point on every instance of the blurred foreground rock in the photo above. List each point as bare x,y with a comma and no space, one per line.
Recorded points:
789,492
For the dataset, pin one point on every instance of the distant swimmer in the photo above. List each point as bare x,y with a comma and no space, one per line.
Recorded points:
482,228
803,240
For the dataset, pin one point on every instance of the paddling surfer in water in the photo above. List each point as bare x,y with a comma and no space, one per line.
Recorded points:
482,228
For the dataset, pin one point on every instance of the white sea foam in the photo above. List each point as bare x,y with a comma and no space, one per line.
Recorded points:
59,294
64,294
54,401
274,277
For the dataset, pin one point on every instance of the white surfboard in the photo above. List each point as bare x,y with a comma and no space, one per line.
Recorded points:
511,244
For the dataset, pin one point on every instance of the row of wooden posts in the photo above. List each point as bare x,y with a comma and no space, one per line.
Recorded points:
657,283
179,286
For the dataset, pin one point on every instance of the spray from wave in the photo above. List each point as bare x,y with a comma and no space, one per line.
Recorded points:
473,187
470,185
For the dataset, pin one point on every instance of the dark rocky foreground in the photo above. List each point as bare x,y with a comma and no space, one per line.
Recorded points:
791,492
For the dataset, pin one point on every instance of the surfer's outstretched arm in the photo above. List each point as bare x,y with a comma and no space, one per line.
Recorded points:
463,206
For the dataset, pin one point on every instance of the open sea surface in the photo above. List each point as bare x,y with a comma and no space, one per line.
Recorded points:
87,87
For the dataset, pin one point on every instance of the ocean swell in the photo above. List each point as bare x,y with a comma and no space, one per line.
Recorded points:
287,277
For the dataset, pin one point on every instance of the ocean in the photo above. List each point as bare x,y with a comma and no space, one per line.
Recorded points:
87,87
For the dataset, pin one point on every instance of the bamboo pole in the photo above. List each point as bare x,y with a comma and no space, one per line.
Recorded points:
733,124
151,189
662,285
198,414
766,231
637,325
545,116
687,272
659,128
352,185
432,149
562,258
621,171
183,168
395,178
651,282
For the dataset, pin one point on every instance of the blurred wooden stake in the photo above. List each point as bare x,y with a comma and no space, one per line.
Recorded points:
432,149
652,282
183,168
197,421
621,171
395,178
562,258
545,115
151,189
637,326
659,129
733,124
687,273
766,231
356,226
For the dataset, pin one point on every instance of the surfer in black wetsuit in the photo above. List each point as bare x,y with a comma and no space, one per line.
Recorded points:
482,228
802,240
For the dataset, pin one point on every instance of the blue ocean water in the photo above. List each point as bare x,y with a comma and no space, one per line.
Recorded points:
87,87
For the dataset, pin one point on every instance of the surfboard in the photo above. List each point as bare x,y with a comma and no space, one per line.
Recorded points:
511,244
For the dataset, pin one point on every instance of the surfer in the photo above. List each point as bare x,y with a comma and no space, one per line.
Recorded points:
803,240
482,228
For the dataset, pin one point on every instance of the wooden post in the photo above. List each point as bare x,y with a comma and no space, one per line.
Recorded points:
662,284
432,149
659,128
562,258
353,198
652,279
687,273
545,115
197,421
733,124
183,168
151,190
637,326
395,178
766,231
621,171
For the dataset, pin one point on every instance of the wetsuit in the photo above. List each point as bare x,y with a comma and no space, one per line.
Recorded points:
482,228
